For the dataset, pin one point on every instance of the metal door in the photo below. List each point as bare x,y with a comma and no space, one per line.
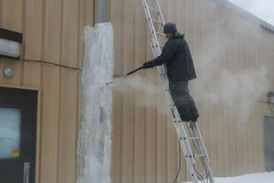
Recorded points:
269,143
17,135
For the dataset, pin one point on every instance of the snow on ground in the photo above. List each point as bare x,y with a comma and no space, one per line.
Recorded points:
249,178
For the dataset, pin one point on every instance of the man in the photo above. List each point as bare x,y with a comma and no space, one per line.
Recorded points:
180,69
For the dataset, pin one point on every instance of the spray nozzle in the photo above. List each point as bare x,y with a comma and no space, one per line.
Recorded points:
131,72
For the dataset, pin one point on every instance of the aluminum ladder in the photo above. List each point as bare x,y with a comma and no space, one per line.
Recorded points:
187,131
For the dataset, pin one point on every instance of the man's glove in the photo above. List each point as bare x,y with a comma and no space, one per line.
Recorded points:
148,65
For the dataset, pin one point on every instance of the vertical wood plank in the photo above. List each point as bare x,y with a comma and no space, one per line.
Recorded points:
172,151
70,33
49,124
89,12
33,29
128,39
116,19
1,13
67,126
52,30
32,75
139,35
151,144
128,138
161,147
140,137
213,139
12,14
116,165
139,141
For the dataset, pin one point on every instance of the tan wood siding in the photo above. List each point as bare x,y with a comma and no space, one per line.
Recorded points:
145,147
51,29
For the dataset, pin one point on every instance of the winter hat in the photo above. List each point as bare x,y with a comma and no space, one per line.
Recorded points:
170,28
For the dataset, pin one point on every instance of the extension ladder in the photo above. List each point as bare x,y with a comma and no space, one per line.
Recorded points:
187,131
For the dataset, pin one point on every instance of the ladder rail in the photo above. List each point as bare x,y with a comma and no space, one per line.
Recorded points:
160,10
197,133
150,25
157,51
163,75
201,146
181,132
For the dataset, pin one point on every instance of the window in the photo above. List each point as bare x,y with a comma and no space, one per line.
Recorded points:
10,122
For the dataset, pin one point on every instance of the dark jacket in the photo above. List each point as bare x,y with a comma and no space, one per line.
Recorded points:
177,57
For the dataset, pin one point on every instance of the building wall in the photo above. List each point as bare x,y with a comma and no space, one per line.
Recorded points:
52,31
145,146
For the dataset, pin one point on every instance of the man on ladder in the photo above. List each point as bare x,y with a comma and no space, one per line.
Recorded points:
180,69
175,76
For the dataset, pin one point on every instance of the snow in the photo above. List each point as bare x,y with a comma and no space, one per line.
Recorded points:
94,150
262,9
249,178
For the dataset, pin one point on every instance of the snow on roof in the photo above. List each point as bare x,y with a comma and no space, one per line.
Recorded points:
265,25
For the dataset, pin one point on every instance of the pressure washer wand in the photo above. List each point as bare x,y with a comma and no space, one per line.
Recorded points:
131,72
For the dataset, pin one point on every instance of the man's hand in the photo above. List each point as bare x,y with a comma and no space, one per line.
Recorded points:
148,65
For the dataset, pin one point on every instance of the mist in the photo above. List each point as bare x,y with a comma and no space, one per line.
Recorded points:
229,73
238,83
148,92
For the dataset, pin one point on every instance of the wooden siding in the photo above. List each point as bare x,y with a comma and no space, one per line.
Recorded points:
145,147
52,33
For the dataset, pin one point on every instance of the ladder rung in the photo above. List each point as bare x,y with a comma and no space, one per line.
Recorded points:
203,172
156,21
189,138
193,138
159,33
199,155
154,18
154,9
155,46
171,105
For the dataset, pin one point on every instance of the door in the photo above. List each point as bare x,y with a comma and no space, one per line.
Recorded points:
269,143
17,135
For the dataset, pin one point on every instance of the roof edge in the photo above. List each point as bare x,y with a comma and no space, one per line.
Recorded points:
264,25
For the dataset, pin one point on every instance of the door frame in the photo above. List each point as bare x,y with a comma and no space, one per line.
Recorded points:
38,126
266,116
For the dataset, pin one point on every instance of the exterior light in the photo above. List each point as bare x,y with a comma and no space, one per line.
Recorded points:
8,72
10,43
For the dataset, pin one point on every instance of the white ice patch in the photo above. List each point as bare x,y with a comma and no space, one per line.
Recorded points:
249,178
94,150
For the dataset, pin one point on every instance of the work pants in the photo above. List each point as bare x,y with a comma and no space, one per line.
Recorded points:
183,101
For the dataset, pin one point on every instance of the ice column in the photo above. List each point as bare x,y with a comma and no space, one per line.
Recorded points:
94,149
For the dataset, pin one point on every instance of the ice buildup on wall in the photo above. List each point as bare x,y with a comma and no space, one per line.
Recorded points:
94,149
